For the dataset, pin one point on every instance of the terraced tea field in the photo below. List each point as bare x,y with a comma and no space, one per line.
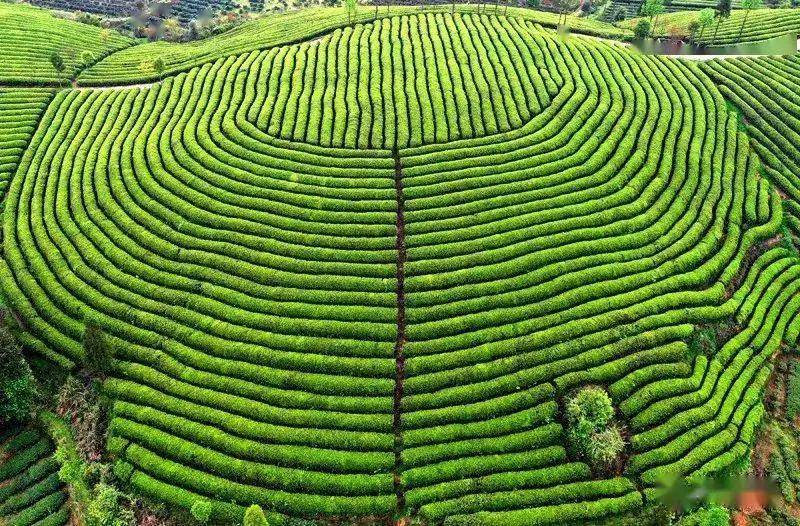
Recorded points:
755,26
29,36
30,490
356,271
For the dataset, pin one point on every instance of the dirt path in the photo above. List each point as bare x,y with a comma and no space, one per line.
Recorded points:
399,355
109,88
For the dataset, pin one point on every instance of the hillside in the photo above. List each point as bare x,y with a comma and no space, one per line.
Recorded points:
131,66
759,24
29,36
360,272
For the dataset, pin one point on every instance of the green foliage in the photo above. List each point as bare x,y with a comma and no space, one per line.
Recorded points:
652,8
57,61
105,508
201,510
752,4
123,470
793,391
642,29
87,57
712,516
97,349
703,342
591,406
605,446
705,17
17,398
589,414
254,516
18,392
723,9
73,469
159,66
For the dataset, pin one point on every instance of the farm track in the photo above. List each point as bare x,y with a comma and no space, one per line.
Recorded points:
399,346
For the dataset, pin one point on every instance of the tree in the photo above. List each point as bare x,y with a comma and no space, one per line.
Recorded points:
723,10
651,9
704,19
254,516
105,509
350,6
748,5
591,431
619,14
694,25
159,66
18,391
172,30
97,350
564,7
591,404
58,63
87,57
642,29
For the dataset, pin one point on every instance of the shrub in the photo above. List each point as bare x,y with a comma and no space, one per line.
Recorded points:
793,391
591,432
80,403
72,470
712,516
201,511
592,405
254,516
604,447
17,387
99,355
642,29
104,509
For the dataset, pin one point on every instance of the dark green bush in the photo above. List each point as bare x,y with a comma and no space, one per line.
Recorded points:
98,351
18,391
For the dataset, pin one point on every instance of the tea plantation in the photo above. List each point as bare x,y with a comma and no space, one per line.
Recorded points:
357,272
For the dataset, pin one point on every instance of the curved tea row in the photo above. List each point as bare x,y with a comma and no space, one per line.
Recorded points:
741,26
134,65
771,108
31,493
579,249
29,36
402,81
248,286
19,114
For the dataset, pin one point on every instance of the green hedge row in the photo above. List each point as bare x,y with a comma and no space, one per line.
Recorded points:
30,491
30,35
19,114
